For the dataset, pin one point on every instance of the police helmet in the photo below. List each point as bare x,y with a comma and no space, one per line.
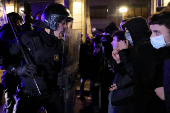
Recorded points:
52,15
14,16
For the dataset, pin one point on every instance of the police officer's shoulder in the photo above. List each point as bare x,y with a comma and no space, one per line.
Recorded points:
28,35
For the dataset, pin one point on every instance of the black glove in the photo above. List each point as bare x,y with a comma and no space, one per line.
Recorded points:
27,70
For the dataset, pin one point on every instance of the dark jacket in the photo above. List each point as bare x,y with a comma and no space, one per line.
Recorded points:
124,94
85,60
165,52
38,44
147,68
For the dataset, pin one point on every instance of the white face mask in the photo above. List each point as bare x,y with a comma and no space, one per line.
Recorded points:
128,37
158,41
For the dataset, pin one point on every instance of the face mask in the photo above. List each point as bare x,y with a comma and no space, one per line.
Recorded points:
128,37
158,41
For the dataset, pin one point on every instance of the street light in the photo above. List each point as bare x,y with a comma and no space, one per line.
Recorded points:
123,10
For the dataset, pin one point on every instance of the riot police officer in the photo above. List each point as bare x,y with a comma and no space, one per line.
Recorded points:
7,36
39,73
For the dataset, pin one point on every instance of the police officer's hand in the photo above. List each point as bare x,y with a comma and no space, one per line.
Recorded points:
27,70
27,8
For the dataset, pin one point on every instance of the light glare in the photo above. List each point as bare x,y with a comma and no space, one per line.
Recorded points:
76,4
21,10
123,9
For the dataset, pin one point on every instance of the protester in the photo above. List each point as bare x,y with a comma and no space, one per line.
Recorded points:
160,40
143,61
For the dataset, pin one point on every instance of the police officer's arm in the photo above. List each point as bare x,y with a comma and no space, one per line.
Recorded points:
16,69
9,54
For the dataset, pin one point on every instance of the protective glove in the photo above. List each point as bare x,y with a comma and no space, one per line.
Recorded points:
27,70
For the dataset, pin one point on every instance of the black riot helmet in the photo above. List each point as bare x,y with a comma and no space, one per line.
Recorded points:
15,16
52,15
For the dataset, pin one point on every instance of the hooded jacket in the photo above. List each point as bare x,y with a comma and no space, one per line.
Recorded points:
145,65
138,29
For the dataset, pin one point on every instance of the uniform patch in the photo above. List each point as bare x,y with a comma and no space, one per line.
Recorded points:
56,57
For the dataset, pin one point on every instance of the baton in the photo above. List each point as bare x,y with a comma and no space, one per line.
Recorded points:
22,49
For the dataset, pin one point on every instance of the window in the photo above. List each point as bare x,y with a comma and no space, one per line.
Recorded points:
98,12
137,11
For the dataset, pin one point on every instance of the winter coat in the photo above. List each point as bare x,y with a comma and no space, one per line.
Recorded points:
146,68
124,94
165,53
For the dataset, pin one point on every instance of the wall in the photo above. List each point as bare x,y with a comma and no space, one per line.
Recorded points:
113,14
99,23
166,2
77,15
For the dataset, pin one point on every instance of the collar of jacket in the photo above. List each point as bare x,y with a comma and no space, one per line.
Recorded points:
47,39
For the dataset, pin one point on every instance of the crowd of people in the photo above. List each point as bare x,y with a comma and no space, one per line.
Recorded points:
128,67
132,62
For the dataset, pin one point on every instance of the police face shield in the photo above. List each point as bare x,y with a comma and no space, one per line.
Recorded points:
64,27
71,48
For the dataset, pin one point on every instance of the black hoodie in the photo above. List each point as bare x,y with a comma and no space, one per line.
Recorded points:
138,29
147,68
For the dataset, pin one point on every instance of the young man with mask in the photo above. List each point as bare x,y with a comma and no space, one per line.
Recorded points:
121,91
146,68
160,40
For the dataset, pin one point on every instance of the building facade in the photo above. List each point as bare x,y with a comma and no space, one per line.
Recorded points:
158,5
105,11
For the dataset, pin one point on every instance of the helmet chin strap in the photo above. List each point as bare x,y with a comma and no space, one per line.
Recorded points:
51,32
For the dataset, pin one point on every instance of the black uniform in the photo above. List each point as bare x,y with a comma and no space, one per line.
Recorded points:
46,52
7,37
42,55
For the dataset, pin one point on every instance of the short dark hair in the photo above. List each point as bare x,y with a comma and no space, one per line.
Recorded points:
120,35
161,18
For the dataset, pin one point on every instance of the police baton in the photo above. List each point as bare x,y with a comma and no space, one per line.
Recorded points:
22,49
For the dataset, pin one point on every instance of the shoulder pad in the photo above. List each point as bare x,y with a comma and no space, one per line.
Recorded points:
27,36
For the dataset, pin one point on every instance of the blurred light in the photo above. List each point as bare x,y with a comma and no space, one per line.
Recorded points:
107,10
9,9
76,5
93,29
21,10
123,9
